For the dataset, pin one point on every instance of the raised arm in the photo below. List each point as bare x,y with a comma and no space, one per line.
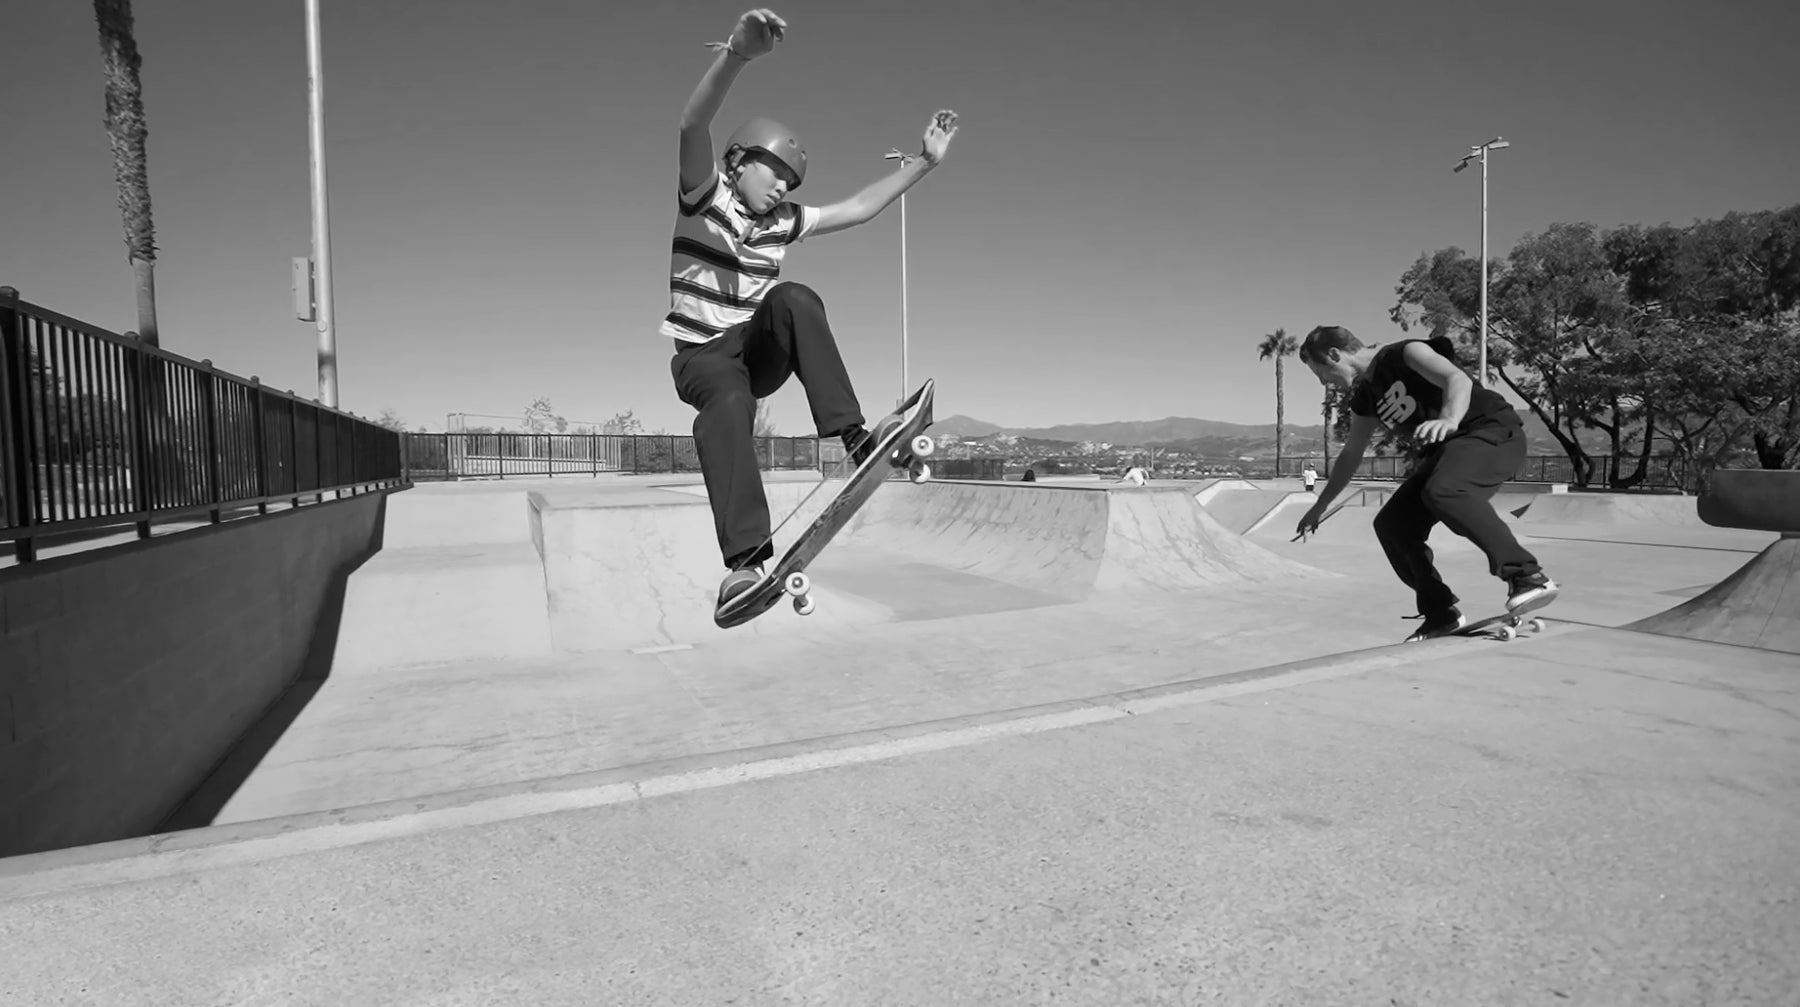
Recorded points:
876,197
756,33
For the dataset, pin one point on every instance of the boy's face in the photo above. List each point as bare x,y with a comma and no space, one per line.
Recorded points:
762,182
1332,369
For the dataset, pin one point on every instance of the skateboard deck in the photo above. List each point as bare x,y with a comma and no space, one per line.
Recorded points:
1508,625
905,446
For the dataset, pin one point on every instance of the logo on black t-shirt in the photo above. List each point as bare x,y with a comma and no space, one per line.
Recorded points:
1396,405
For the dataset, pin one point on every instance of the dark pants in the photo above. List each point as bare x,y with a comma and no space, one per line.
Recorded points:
1455,485
787,336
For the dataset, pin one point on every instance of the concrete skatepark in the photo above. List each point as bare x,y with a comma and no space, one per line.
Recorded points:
1076,742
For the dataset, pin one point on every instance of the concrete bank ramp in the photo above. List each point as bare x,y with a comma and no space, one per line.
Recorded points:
1073,541
1758,606
1612,509
456,579
641,572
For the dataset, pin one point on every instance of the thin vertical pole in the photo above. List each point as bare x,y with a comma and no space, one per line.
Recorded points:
1481,375
321,216
903,385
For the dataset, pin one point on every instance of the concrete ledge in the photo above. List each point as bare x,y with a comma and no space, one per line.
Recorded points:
127,674
1753,499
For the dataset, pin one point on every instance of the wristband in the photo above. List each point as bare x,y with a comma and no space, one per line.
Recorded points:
726,46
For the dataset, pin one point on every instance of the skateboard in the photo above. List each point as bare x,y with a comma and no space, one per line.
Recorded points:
904,446
1508,625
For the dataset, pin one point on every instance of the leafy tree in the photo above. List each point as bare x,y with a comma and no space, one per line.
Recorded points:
392,421
541,417
623,423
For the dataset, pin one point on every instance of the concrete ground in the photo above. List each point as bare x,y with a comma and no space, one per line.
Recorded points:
1243,793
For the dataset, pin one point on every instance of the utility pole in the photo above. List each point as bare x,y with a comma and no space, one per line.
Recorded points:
1481,151
321,217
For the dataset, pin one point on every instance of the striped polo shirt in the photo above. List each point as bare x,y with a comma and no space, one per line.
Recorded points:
724,260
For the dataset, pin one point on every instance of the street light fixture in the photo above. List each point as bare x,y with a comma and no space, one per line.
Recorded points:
1481,151
904,160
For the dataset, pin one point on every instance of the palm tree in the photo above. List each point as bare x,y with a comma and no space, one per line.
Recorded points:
126,131
1328,409
1278,344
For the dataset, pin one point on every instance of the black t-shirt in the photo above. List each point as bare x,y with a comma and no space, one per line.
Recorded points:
1401,398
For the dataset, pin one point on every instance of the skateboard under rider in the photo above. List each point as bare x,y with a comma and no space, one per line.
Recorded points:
903,445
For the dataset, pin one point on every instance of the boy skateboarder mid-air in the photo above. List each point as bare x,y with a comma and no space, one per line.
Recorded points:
739,333
1475,442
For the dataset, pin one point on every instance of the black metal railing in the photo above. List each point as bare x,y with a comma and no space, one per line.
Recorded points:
1664,472
487,455
99,430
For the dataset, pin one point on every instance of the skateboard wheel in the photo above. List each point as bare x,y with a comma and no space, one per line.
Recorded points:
1537,625
1507,633
923,446
804,604
919,472
796,585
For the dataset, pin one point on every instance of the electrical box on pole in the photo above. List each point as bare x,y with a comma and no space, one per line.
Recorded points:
304,303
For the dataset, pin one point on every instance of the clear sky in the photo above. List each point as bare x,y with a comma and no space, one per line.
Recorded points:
1138,191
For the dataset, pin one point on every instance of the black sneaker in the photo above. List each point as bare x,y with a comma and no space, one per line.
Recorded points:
860,443
1530,590
1441,624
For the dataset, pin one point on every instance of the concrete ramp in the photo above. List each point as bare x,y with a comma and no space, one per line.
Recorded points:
1072,541
457,579
641,571
1758,606
1165,541
1612,509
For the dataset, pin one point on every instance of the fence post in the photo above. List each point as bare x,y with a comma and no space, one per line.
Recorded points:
16,492
260,456
209,401
137,378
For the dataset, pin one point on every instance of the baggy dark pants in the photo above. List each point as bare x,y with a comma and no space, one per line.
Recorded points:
1455,485
788,336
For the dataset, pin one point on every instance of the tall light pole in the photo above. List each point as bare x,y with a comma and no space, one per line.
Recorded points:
904,159
321,218
1481,151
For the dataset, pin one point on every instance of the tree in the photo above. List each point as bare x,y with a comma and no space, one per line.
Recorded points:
1278,344
126,131
1555,308
1685,335
541,417
764,426
1331,406
391,420
623,423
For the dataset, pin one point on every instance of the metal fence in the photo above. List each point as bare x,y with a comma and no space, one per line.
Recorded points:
1662,472
99,430
487,455
490,455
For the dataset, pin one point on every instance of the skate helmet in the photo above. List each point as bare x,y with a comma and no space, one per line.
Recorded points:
774,139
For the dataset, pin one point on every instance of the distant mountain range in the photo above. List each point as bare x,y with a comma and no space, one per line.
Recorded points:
1207,437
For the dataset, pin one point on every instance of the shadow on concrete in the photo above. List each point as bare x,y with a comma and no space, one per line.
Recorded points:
203,805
